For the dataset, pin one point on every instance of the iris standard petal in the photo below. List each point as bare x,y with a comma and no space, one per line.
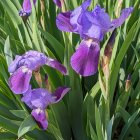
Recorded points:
94,24
86,4
124,15
57,2
40,117
74,19
90,30
14,65
63,22
59,94
19,80
76,14
85,60
55,64
100,18
33,60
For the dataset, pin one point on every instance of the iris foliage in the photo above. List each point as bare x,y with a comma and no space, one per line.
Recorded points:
104,106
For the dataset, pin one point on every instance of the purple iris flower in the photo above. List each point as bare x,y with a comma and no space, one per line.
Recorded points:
26,8
39,99
91,26
22,67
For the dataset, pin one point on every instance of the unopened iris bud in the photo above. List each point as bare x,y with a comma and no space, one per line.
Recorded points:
24,15
128,83
46,79
26,9
110,44
37,76
48,87
42,3
107,54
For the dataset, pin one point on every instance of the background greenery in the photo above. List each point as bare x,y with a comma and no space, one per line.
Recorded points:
86,113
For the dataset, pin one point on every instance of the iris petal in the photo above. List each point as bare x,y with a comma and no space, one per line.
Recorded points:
94,24
40,117
68,21
14,65
26,5
63,22
38,98
86,4
90,24
124,15
90,30
85,60
21,69
19,80
41,98
76,14
33,60
55,64
59,94
100,18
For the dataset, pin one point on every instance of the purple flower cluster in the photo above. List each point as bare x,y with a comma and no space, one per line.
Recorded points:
21,70
91,26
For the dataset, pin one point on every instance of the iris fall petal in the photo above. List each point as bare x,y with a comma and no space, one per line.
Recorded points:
19,80
85,60
59,94
40,117
55,64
